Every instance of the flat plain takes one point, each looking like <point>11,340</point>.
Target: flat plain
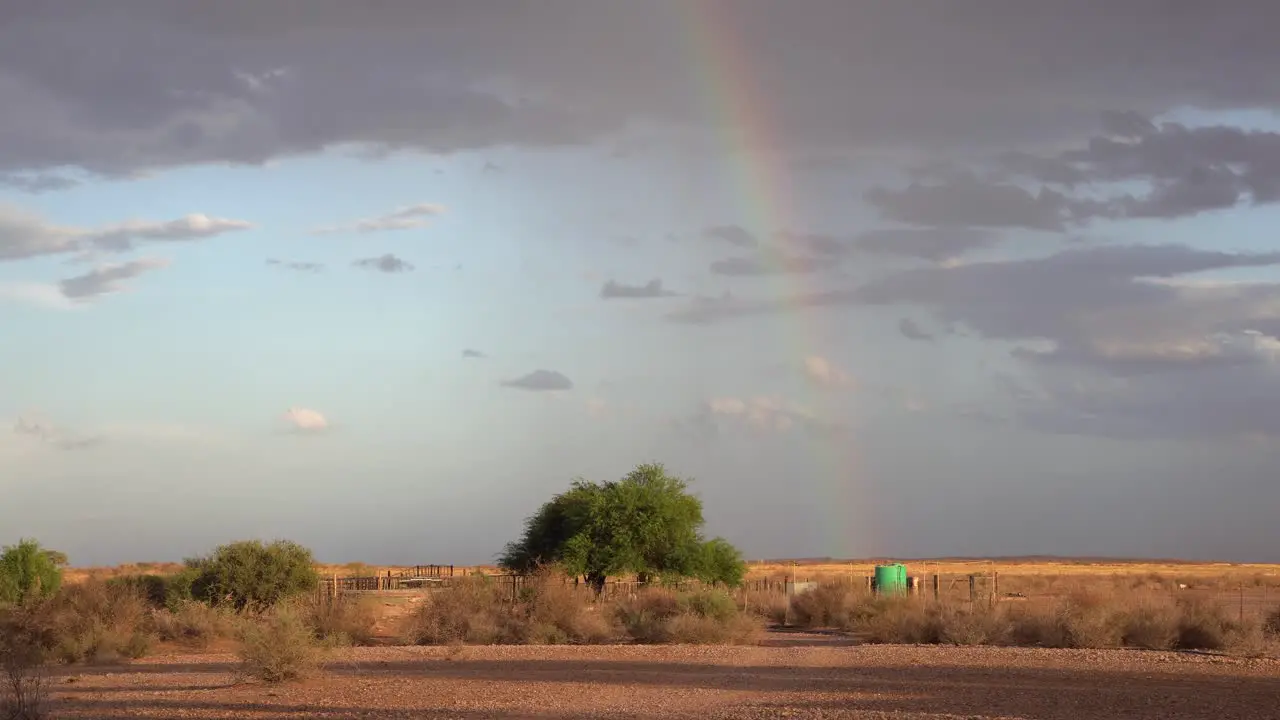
<point>788,675</point>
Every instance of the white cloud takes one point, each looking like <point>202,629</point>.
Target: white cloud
<point>24,234</point>
<point>122,236</point>
<point>306,420</point>
<point>404,218</point>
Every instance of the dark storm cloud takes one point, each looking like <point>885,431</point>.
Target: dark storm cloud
<point>925,243</point>
<point>972,202</point>
<point>1084,300</point>
<point>145,84</point>
<point>36,183</point>
<point>540,380</point>
<point>1119,309</point>
<point>652,289</point>
<point>1187,170</point>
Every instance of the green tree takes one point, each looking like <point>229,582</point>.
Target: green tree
<point>252,574</point>
<point>647,523</point>
<point>722,563</point>
<point>28,571</point>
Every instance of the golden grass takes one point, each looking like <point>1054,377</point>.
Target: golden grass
<point>1032,576</point>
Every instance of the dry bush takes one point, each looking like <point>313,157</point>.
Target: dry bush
<point>476,611</point>
<point>1150,624</point>
<point>897,620</point>
<point>27,633</point>
<point>470,610</point>
<point>1271,623</point>
<point>341,620</point>
<point>1083,619</point>
<point>1207,625</point>
<point>97,622</point>
<point>828,605</point>
<point>192,624</point>
<point>657,615</point>
<point>278,646</point>
<point>974,624</point>
<point>768,606</point>
<point>553,612</point>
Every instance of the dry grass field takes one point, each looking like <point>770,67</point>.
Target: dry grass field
<point>1082,569</point>
<point>1061,639</point>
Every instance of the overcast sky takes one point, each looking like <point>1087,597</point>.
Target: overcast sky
<point>899,279</point>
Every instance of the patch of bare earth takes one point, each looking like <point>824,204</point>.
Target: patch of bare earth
<point>787,677</point>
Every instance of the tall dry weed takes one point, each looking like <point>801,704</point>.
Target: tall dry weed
<point>97,622</point>
<point>340,620</point>
<point>193,624</point>
<point>27,635</point>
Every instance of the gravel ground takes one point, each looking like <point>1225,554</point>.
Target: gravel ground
<point>788,677</point>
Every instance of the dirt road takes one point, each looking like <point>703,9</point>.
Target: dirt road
<point>790,678</point>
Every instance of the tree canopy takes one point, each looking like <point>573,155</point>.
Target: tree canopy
<point>251,574</point>
<point>28,571</point>
<point>647,523</point>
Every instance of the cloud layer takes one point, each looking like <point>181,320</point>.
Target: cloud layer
<point>414,78</point>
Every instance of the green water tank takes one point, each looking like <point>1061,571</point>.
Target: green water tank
<point>891,579</point>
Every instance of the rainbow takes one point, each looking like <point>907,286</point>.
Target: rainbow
<point>757,167</point>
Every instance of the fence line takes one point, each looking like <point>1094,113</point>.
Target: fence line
<point>1242,600</point>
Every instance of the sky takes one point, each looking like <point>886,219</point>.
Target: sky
<point>901,280</point>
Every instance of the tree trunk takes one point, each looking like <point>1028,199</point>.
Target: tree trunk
<point>596,581</point>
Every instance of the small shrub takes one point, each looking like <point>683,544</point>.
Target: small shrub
<point>152,588</point>
<point>1271,622</point>
<point>828,605</point>
<point>26,636</point>
<point>1150,624</point>
<point>1206,625</point>
<point>553,612</point>
<point>97,622</point>
<point>192,624</point>
<point>664,616</point>
<point>1084,620</point>
<point>278,646</point>
<point>975,624</point>
<point>178,587</point>
<point>896,620</point>
<point>768,606</point>
<point>341,620</point>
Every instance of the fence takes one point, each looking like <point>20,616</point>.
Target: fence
<point>1242,599</point>
<point>417,577</point>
